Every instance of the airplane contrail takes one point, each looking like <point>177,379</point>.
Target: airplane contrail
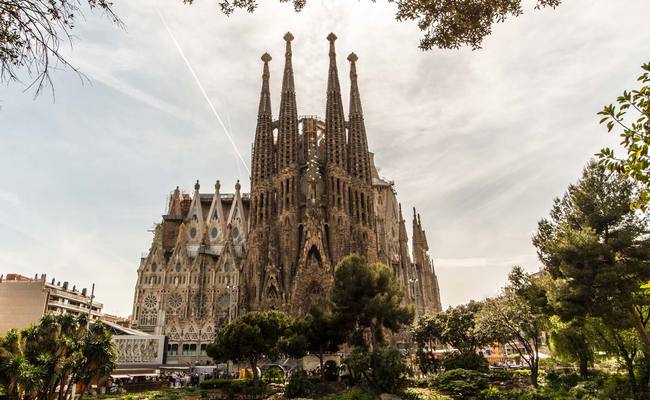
<point>205,95</point>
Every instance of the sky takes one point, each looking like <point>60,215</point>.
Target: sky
<point>479,141</point>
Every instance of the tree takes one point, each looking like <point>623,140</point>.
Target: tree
<point>31,33</point>
<point>316,333</point>
<point>632,118</point>
<point>250,337</point>
<point>58,352</point>
<point>455,328</point>
<point>427,333</point>
<point>518,317</point>
<point>569,342</point>
<point>448,24</point>
<point>367,300</point>
<point>597,251</point>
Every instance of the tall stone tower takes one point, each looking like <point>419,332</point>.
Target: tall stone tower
<point>316,196</point>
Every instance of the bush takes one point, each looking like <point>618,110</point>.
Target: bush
<point>457,360</point>
<point>460,383</point>
<point>234,387</point>
<point>224,383</point>
<point>352,394</point>
<point>301,385</point>
<point>383,369</point>
<point>616,387</point>
<point>491,393</point>
<point>331,371</point>
<point>422,394</point>
<point>273,375</point>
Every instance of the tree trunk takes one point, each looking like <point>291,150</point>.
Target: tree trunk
<point>322,369</point>
<point>534,373</point>
<point>256,376</point>
<point>643,334</point>
<point>583,363</point>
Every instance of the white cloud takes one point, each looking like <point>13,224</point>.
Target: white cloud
<point>480,141</point>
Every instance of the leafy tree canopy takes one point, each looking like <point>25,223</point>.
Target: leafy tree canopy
<point>596,249</point>
<point>250,337</point>
<point>631,118</point>
<point>447,24</point>
<point>517,317</point>
<point>367,300</point>
<point>56,353</point>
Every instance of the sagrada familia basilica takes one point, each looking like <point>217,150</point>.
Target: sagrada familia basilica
<point>316,197</point>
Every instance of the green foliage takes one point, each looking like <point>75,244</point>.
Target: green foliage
<point>318,333</point>
<point>422,394</point>
<point>491,393</point>
<point>456,328</point>
<point>222,383</point>
<point>273,375</point>
<point>367,301</point>
<point>518,317</point>
<point>616,387</point>
<point>596,250</point>
<point>460,383</point>
<point>631,117</point>
<point>447,24</point>
<point>250,337</point>
<point>352,394</point>
<point>58,351</point>
<point>383,369</point>
<point>301,385</point>
<point>456,360</point>
<point>234,388</point>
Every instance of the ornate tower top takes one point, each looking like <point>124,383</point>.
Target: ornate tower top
<point>334,118</point>
<point>287,146</point>
<point>263,149</point>
<point>197,186</point>
<point>358,156</point>
<point>217,186</point>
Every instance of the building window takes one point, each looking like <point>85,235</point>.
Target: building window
<point>172,349</point>
<point>204,349</point>
<point>189,349</point>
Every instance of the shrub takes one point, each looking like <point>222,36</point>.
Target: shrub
<point>616,387</point>
<point>422,394</point>
<point>383,368</point>
<point>301,385</point>
<point>460,383</point>
<point>234,387</point>
<point>224,383</point>
<point>352,394</point>
<point>331,371</point>
<point>457,360</point>
<point>491,393</point>
<point>273,375</point>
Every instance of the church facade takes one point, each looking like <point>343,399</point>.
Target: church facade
<point>316,196</point>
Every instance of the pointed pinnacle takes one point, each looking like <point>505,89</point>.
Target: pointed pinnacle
<point>288,36</point>
<point>331,37</point>
<point>266,57</point>
<point>217,185</point>
<point>353,58</point>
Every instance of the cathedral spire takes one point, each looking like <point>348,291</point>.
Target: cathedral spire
<point>288,120</point>
<point>334,118</point>
<point>263,148</point>
<point>358,157</point>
